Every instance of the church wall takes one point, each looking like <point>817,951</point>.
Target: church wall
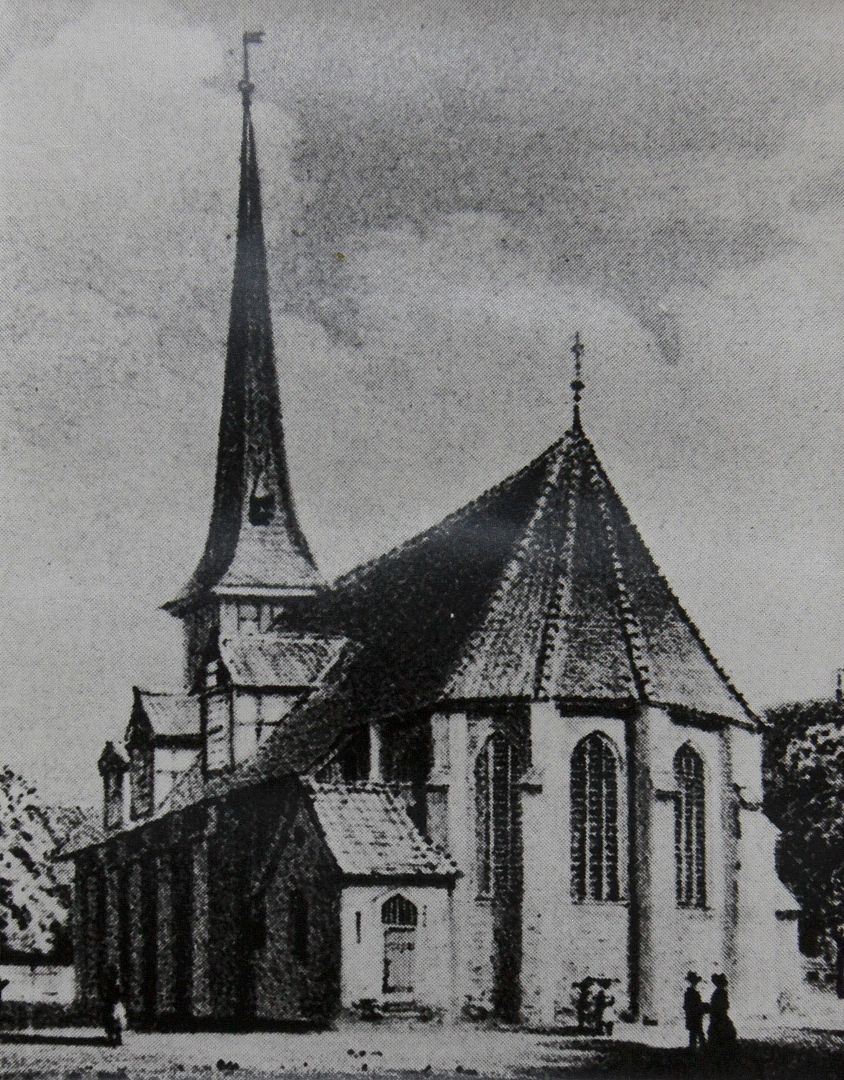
<point>164,984</point>
<point>363,944</point>
<point>200,991</point>
<point>230,869</point>
<point>562,940</point>
<point>671,939</point>
<point>295,982</point>
<point>473,941</point>
<point>487,938</point>
<point>87,934</point>
<point>765,938</point>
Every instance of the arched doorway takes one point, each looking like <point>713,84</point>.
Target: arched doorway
<point>399,918</point>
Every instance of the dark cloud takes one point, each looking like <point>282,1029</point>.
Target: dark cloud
<point>595,160</point>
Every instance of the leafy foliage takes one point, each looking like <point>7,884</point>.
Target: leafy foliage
<point>35,892</point>
<point>804,796</point>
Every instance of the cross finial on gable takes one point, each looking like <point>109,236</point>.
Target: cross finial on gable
<point>577,383</point>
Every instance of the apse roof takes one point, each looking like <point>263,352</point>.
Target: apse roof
<point>540,589</point>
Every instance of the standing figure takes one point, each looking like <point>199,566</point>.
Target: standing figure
<point>582,1001</point>
<point>722,1032</point>
<point>694,1011</point>
<point>602,1005</point>
<point>113,1012</point>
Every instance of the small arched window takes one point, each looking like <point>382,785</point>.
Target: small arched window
<point>495,796</point>
<point>690,829</point>
<point>399,911</point>
<point>594,820</point>
<point>299,926</point>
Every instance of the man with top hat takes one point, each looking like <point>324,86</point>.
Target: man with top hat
<point>694,1010</point>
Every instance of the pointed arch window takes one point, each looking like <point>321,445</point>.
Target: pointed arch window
<point>399,911</point>
<point>690,829</point>
<point>594,820</point>
<point>495,795</point>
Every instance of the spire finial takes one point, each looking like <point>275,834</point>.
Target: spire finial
<point>250,37</point>
<point>577,383</point>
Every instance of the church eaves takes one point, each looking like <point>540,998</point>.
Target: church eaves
<point>254,539</point>
<point>540,589</point>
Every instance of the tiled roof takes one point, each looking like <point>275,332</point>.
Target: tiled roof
<point>170,715</point>
<point>582,611</point>
<point>86,833</point>
<point>369,833</point>
<point>266,557</point>
<point>292,660</point>
<point>540,589</point>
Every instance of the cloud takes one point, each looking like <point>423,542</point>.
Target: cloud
<point>626,168</point>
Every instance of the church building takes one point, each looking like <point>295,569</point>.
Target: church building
<point>455,781</point>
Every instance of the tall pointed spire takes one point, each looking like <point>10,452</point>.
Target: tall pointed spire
<point>255,542</point>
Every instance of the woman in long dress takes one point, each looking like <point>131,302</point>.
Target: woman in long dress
<point>722,1033</point>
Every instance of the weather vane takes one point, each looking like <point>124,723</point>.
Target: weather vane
<point>250,37</point>
<point>577,383</point>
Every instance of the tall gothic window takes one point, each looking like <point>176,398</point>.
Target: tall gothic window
<point>690,829</point>
<point>594,820</point>
<point>495,794</point>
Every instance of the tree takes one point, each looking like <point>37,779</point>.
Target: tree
<point>804,796</point>
<point>34,890</point>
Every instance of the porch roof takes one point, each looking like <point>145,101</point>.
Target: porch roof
<point>370,834</point>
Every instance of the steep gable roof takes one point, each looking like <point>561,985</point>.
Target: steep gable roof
<point>163,715</point>
<point>280,660</point>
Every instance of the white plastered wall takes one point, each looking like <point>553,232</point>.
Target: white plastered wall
<point>363,961</point>
<point>674,939</point>
<point>457,740</point>
<point>255,716</point>
<point>562,940</point>
<point>767,971</point>
<point>169,764</point>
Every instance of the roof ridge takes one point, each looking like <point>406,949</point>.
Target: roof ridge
<point>555,614</point>
<point>678,606</point>
<point>422,537</point>
<point>557,455</point>
<point>636,649</point>
<point>372,786</point>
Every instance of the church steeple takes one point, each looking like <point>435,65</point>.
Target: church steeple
<point>255,545</point>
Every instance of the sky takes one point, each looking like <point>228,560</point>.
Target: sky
<point>451,190</point>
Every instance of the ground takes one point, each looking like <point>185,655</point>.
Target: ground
<point>403,1050</point>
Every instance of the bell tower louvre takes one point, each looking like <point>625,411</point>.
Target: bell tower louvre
<point>256,561</point>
